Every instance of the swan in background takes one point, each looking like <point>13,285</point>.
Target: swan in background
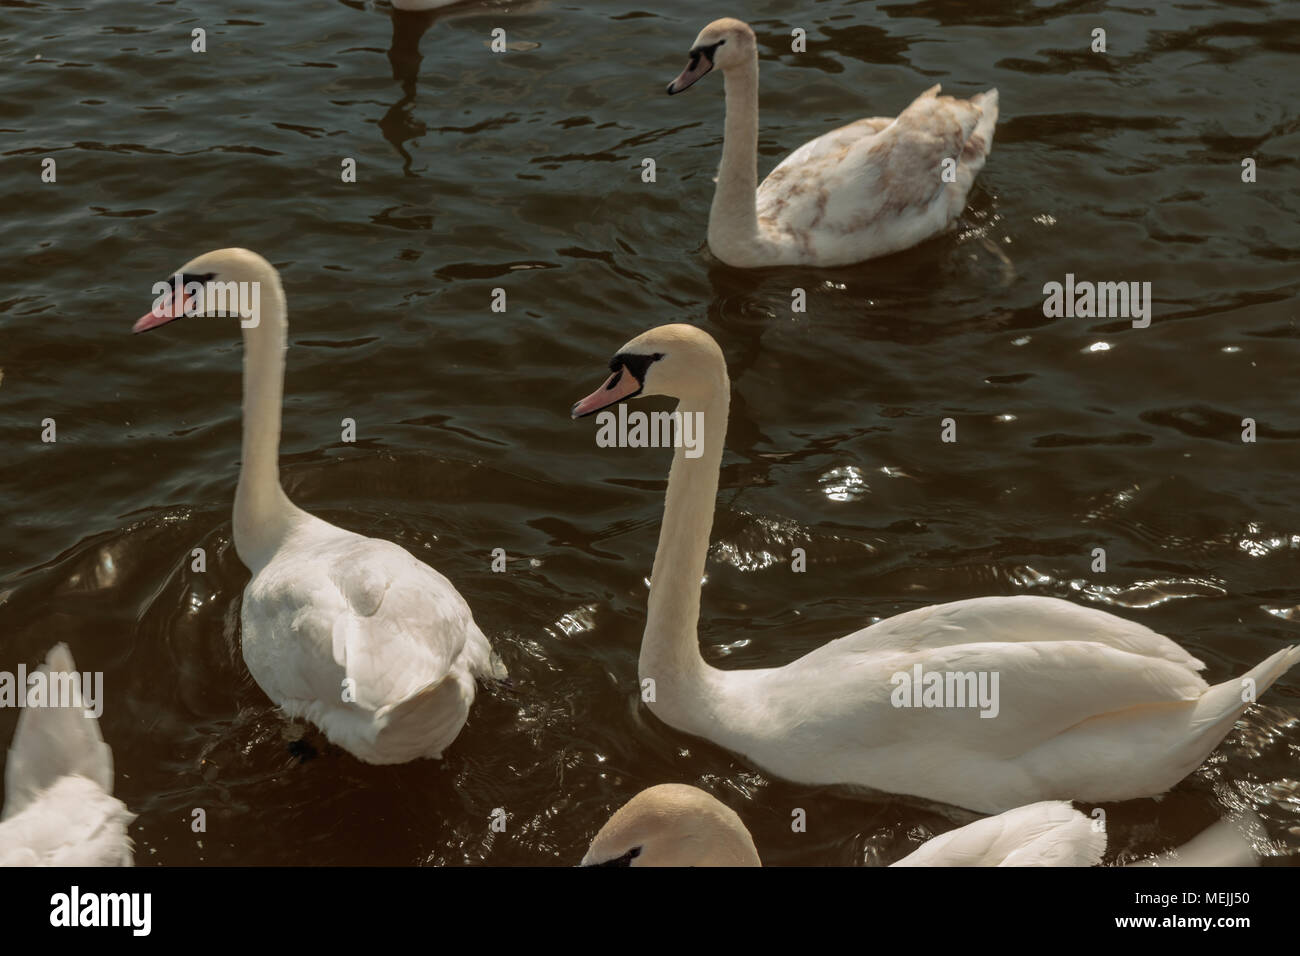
<point>864,190</point>
<point>1090,706</point>
<point>673,824</point>
<point>59,804</point>
<point>352,633</point>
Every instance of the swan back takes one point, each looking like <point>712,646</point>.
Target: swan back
<point>1051,833</point>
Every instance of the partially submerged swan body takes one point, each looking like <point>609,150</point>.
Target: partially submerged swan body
<point>678,825</point>
<point>1087,706</point>
<point>1050,833</point>
<point>868,189</point>
<point>59,806</point>
<point>352,633</point>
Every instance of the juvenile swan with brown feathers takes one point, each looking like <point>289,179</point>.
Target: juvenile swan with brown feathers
<point>864,190</point>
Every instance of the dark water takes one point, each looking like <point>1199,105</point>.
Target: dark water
<point>522,171</point>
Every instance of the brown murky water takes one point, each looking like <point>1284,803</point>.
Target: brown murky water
<point>522,171</point>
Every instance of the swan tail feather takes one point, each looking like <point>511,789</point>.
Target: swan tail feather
<point>484,662</point>
<point>1232,697</point>
<point>980,143</point>
<point>1219,707</point>
<point>424,724</point>
<point>55,742</point>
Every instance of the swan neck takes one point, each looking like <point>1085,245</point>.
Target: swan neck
<point>261,507</point>
<point>734,214</point>
<point>670,650</point>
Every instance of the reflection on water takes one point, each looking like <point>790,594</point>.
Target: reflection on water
<point>521,171</point>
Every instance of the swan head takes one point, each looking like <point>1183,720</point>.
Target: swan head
<point>673,825</point>
<point>678,361</point>
<point>722,44</point>
<point>210,272</point>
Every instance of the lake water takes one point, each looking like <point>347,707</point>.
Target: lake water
<point>522,170</point>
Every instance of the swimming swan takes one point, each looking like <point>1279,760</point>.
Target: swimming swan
<point>352,633</point>
<point>1090,706</point>
<point>864,190</point>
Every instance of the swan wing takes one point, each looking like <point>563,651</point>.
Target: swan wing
<point>827,148</point>
<point>363,616</point>
<point>999,700</point>
<point>863,176</point>
<point>1015,619</point>
<point>1051,833</point>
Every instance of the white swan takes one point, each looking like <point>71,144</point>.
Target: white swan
<point>59,804</point>
<point>674,824</point>
<point>863,190</point>
<point>352,633</point>
<point>1050,833</point>
<point>1091,706</point>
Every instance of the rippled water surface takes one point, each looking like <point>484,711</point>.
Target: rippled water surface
<point>522,171</point>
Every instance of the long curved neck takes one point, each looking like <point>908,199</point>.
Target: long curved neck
<point>734,215</point>
<point>262,510</point>
<point>670,650</point>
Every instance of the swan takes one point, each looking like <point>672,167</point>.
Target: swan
<point>352,633</point>
<point>868,189</point>
<point>673,824</point>
<point>59,804</point>
<point>1089,706</point>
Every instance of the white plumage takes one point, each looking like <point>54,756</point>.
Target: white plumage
<point>59,805</point>
<point>352,633</point>
<point>674,824</point>
<point>1051,833</point>
<point>867,189</point>
<point>332,611</point>
<point>1089,706</point>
